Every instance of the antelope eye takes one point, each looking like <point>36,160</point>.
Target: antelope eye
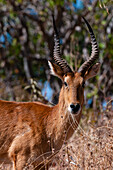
<point>83,84</point>
<point>65,84</point>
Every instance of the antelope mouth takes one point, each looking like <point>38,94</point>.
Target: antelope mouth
<point>74,108</point>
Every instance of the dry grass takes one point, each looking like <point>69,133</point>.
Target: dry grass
<point>89,150</point>
<point>91,147</point>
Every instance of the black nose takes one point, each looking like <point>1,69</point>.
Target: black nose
<point>75,108</point>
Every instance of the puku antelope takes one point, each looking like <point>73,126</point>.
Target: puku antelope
<point>29,130</point>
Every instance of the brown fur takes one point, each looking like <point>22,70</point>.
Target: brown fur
<point>31,129</point>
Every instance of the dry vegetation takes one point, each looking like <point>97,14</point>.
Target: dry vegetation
<point>91,147</point>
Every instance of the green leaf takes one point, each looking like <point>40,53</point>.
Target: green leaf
<point>102,45</point>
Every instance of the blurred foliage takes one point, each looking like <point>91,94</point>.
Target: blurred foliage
<point>26,41</point>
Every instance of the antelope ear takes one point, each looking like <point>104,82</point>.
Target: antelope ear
<point>92,71</point>
<point>56,70</point>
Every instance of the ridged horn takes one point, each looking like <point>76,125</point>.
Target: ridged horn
<point>56,52</point>
<point>94,54</point>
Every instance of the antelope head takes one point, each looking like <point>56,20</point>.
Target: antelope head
<point>72,92</point>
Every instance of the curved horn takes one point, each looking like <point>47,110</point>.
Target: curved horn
<point>94,54</point>
<point>56,53</point>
